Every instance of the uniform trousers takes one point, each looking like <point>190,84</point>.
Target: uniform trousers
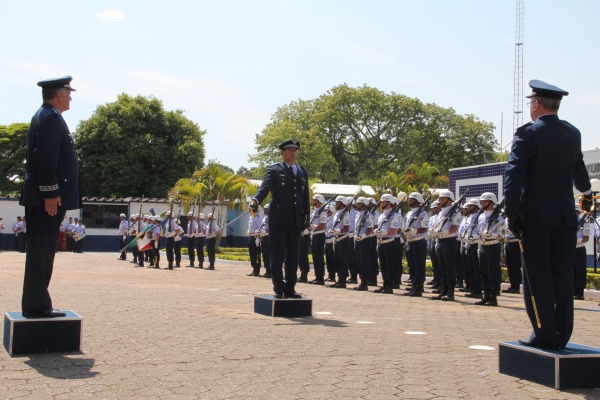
<point>362,254</point>
<point>211,248</point>
<point>318,253</point>
<point>416,253</point>
<point>169,250</point>
<point>284,244</point>
<point>122,243</point>
<point>353,260</point>
<point>580,271</point>
<point>330,260</point>
<point>303,254</point>
<point>548,255</point>
<point>435,265</point>
<point>191,246</point>
<point>373,260</point>
<point>445,250</point>
<point>177,251</point>
<point>388,258</point>
<point>399,258</point>
<point>343,250</point>
<point>458,262</point>
<point>467,277</point>
<point>254,251</point>
<point>264,248</point>
<point>134,249</point>
<point>489,266</point>
<point>155,253</point>
<point>473,267</point>
<point>200,250</point>
<point>513,263</point>
<point>42,231</point>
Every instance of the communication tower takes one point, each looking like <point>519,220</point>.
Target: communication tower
<point>518,79</point>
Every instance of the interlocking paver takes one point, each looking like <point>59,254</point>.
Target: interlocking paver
<point>189,333</point>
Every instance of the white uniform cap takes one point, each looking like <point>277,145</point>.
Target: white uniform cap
<point>190,214</point>
<point>362,200</point>
<point>389,198</point>
<point>122,215</point>
<point>447,193</point>
<point>350,200</point>
<point>342,199</point>
<point>373,201</point>
<point>489,196</point>
<point>435,204</point>
<point>332,208</point>
<point>319,197</point>
<point>202,216</point>
<point>475,202</point>
<point>266,206</point>
<point>209,216</point>
<point>401,196</point>
<point>417,196</point>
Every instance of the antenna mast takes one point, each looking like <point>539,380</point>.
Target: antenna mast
<point>518,79</point>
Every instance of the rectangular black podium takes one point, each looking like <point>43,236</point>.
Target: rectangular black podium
<point>575,367</point>
<point>268,305</point>
<point>42,335</point>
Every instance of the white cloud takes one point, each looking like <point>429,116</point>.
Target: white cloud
<point>111,15</point>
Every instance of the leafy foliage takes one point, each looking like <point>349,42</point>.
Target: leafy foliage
<point>133,147</point>
<point>13,152</point>
<point>350,134</point>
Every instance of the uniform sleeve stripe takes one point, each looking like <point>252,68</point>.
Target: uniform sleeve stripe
<point>48,188</point>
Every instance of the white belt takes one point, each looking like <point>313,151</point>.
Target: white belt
<point>579,245</point>
<point>445,235</point>
<point>384,241</point>
<point>473,241</point>
<point>318,232</point>
<point>340,238</point>
<point>489,242</point>
<point>410,240</point>
<point>512,240</point>
<point>329,240</point>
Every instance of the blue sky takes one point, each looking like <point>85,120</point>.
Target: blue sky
<point>230,64</point>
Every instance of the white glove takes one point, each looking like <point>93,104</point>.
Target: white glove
<point>305,232</point>
<point>212,235</point>
<point>412,232</point>
<point>489,236</point>
<point>381,233</point>
<point>257,241</point>
<point>335,231</point>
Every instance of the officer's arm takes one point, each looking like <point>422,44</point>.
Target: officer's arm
<point>266,185</point>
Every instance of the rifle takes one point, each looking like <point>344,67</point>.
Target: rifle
<point>391,214</point>
<point>453,209</point>
<point>473,224</point>
<point>583,220</point>
<point>169,221</point>
<point>415,215</point>
<point>346,209</point>
<point>492,220</point>
<point>318,213</point>
<point>213,234</point>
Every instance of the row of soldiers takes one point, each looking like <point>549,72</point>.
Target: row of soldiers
<point>352,240</point>
<point>143,235</point>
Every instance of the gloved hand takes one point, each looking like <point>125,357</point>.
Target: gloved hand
<point>586,203</point>
<point>253,206</point>
<point>381,233</point>
<point>515,224</point>
<point>305,232</point>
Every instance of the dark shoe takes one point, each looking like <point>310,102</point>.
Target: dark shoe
<point>483,301</point>
<point>318,282</point>
<point>533,343</point>
<point>387,291</point>
<point>396,286</point>
<point>492,302</point>
<point>340,285</point>
<point>302,280</point>
<point>379,290</point>
<point>352,281</point>
<point>459,286</point>
<point>436,291</point>
<point>292,295</point>
<point>278,296</point>
<point>266,276</point>
<point>578,297</point>
<point>415,294</point>
<point>330,279</point>
<point>448,297</point>
<point>516,291</point>
<point>361,288</point>
<point>438,297</point>
<point>252,274</point>
<point>210,268</point>
<point>474,295</point>
<point>190,266</point>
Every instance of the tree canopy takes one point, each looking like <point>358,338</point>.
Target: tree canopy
<point>133,147</point>
<point>350,134</point>
<point>13,152</point>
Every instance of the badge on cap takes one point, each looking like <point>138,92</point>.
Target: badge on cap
<point>293,143</point>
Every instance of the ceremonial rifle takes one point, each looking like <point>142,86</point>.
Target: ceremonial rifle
<point>413,217</point>
<point>320,210</point>
<point>448,215</point>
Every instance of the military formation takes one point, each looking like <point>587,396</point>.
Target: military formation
<point>142,234</point>
<point>355,241</point>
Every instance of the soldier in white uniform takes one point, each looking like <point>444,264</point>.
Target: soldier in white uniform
<point>417,223</point>
<point>122,233</point>
<point>584,232</point>
<point>342,245</point>
<point>362,232</point>
<point>318,224</point>
<point>387,231</point>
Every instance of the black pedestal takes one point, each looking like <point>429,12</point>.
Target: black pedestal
<point>291,308</point>
<point>42,335</point>
<point>575,367</point>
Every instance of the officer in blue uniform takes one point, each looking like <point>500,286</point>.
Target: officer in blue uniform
<point>51,187</point>
<point>288,216</point>
<point>544,164</point>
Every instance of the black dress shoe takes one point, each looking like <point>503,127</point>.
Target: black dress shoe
<point>361,288</point>
<point>278,296</point>
<point>353,281</point>
<point>318,282</point>
<point>302,280</point>
<point>340,286</point>
<point>252,274</point>
<point>387,291</point>
<point>395,286</point>
<point>533,343</point>
<point>293,295</point>
<point>448,298</point>
<point>578,298</point>
<point>415,294</point>
<point>266,276</point>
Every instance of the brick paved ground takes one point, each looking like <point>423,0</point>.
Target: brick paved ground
<point>187,334</point>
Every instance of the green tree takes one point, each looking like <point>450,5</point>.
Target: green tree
<point>13,152</point>
<point>363,133</point>
<point>133,147</point>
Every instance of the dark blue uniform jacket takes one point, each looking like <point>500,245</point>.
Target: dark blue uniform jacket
<point>289,205</point>
<point>51,168</point>
<point>544,164</point>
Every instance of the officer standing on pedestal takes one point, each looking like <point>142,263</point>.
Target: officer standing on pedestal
<point>288,216</point>
<point>544,164</point>
<point>50,188</point>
